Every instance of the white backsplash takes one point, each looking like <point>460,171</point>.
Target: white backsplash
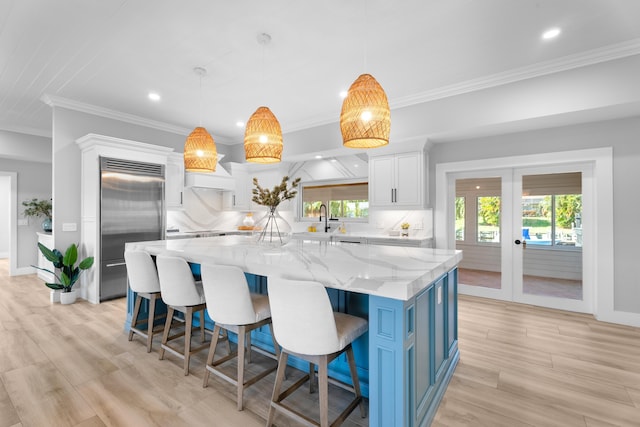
<point>203,207</point>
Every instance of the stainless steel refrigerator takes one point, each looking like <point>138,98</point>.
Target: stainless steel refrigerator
<point>131,210</point>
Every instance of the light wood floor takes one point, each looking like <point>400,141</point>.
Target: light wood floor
<point>520,366</point>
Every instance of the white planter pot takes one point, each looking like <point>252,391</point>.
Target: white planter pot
<point>54,296</point>
<point>68,297</point>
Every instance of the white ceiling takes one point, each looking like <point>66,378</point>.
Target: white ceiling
<point>110,54</point>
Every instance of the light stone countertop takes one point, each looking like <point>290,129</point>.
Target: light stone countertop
<point>388,271</point>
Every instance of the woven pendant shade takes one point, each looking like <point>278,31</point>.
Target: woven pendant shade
<point>263,137</point>
<point>365,120</point>
<point>200,154</point>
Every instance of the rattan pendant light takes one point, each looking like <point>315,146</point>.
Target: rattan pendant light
<point>263,135</point>
<point>200,153</point>
<point>365,119</point>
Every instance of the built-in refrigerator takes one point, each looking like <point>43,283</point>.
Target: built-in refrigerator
<point>131,210</point>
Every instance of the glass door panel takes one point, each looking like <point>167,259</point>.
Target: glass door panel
<point>551,239</point>
<point>478,231</point>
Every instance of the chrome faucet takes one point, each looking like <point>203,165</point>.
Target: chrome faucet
<point>326,226</point>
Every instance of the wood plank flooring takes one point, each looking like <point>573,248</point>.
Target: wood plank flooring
<point>520,366</point>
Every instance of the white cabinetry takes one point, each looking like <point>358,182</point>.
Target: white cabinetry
<point>240,197</point>
<point>174,181</point>
<point>47,240</point>
<point>397,180</point>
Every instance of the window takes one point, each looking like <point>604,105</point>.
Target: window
<point>552,220</point>
<point>344,200</point>
<point>488,219</point>
<point>460,218</point>
<point>552,209</point>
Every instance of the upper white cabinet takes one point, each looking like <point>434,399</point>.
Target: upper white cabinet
<point>174,181</point>
<point>240,197</point>
<point>397,180</point>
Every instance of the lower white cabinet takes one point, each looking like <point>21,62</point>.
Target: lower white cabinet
<point>47,240</point>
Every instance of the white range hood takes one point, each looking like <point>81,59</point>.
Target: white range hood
<point>218,180</point>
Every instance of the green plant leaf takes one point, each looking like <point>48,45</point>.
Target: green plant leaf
<point>86,263</point>
<point>66,280</point>
<point>48,253</point>
<point>71,255</point>
<point>54,286</point>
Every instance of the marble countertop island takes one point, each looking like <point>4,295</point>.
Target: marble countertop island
<point>386,271</point>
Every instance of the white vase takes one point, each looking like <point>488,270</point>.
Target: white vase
<point>68,297</point>
<point>54,296</point>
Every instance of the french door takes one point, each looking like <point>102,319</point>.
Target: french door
<point>521,232</point>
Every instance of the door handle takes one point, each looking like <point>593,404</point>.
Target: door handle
<point>523,242</point>
<point>517,242</point>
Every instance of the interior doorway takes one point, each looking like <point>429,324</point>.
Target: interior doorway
<point>8,218</point>
<point>546,252</point>
<point>596,170</point>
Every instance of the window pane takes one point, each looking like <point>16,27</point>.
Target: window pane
<point>460,218</point>
<point>536,219</point>
<point>489,219</point>
<point>347,200</point>
<point>568,218</point>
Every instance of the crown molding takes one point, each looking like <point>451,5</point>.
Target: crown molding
<point>25,130</point>
<point>57,101</point>
<point>582,59</point>
<point>590,57</point>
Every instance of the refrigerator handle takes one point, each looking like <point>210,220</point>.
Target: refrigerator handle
<point>115,264</point>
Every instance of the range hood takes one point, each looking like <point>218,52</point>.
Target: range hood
<point>218,180</point>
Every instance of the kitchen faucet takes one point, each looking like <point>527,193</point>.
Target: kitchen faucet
<point>326,226</point>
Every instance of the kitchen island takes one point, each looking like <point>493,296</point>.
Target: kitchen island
<point>409,296</point>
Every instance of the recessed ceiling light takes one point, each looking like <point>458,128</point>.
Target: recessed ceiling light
<point>355,166</point>
<point>343,94</point>
<point>154,96</point>
<point>551,33</point>
<point>318,156</point>
<point>239,124</point>
<point>333,160</point>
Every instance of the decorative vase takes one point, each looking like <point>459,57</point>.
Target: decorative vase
<point>47,225</point>
<point>248,220</point>
<point>68,297</point>
<point>272,230</point>
<point>405,232</point>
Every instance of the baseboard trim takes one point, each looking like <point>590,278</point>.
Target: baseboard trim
<point>25,270</point>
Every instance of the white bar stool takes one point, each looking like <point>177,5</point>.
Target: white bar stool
<point>306,326</point>
<point>181,293</point>
<point>143,280</point>
<point>233,308</point>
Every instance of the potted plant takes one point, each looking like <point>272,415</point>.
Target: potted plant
<point>39,208</point>
<point>405,229</point>
<point>69,272</point>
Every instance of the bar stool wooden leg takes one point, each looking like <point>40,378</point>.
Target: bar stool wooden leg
<point>150,320</point>
<point>354,378</point>
<point>167,328</point>
<point>136,312</point>
<point>242,337</point>
<point>212,352</point>
<point>275,398</point>
<point>323,388</point>
<point>188,323</point>
<point>247,337</point>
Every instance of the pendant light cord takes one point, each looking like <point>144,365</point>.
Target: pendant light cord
<point>364,34</point>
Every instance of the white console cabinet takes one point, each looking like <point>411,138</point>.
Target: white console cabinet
<point>397,180</point>
<point>47,240</point>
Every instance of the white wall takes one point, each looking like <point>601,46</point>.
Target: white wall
<point>622,135</point>
<point>5,205</point>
